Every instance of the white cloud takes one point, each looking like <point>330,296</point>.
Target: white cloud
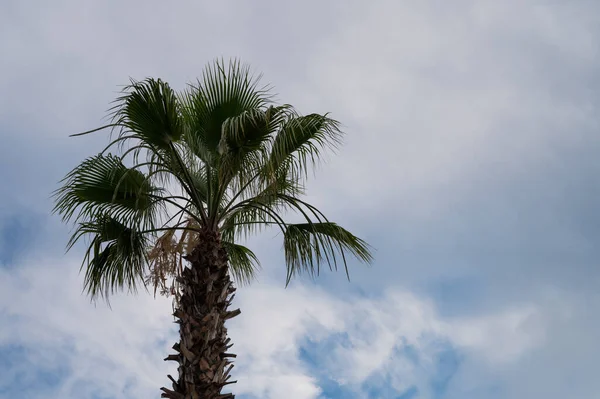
<point>442,101</point>
<point>500,338</point>
<point>116,352</point>
<point>439,98</point>
<point>382,330</point>
<point>119,352</point>
<point>432,95</point>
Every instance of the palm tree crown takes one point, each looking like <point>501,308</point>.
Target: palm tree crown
<point>207,166</point>
<point>218,156</point>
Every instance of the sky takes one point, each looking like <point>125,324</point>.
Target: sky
<point>470,164</point>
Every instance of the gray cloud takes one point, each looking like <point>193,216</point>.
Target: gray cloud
<point>471,158</point>
<point>92,351</point>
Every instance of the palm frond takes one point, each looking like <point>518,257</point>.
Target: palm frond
<point>300,141</point>
<point>243,263</point>
<point>165,262</point>
<point>249,219</point>
<point>307,246</point>
<point>264,209</point>
<point>103,184</point>
<point>238,164</point>
<point>151,111</point>
<point>115,258</point>
<point>244,132</point>
<point>166,257</point>
<point>222,93</point>
<point>245,146</point>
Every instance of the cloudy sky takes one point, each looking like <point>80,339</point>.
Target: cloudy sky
<point>471,165</point>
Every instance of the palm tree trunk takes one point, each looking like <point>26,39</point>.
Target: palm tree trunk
<point>206,293</point>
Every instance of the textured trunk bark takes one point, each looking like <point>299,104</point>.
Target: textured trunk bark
<point>206,293</point>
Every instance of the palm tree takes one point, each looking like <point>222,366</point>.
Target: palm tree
<point>208,166</point>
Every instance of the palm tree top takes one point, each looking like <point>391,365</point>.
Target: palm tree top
<point>219,156</point>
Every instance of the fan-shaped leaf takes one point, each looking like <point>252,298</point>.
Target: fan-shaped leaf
<point>309,245</point>
<point>223,93</point>
<point>151,110</point>
<point>115,258</point>
<point>103,184</point>
<point>300,140</point>
<point>243,262</point>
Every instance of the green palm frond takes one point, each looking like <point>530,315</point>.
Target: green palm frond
<point>243,148</point>
<point>103,184</point>
<point>250,219</point>
<point>300,141</point>
<point>244,132</point>
<point>218,156</point>
<point>309,245</point>
<point>151,111</point>
<point>246,145</point>
<point>115,258</point>
<point>264,209</point>
<point>200,183</point>
<point>222,93</point>
<point>243,262</point>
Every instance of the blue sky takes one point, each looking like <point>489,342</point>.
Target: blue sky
<point>470,164</point>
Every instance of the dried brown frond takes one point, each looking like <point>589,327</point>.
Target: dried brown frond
<point>189,238</point>
<point>165,260</point>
